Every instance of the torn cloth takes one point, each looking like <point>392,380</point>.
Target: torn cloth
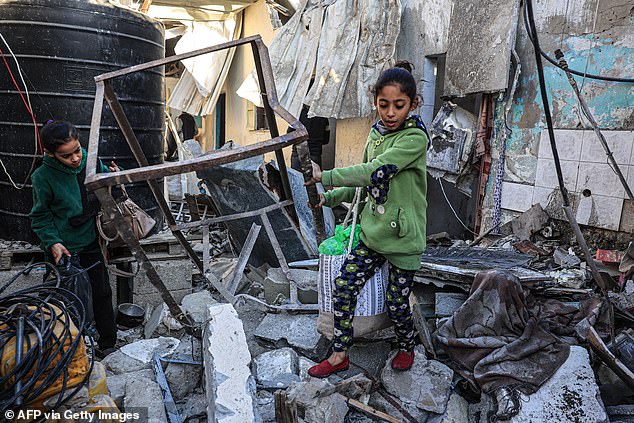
<point>495,340</point>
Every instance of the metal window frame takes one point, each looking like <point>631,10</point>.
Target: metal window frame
<point>102,183</point>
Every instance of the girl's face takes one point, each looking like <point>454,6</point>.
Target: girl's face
<point>393,106</point>
<point>69,154</point>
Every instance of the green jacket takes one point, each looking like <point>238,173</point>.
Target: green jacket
<point>56,199</point>
<point>399,232</point>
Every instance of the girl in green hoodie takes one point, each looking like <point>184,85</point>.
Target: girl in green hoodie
<point>393,220</point>
<point>63,217</point>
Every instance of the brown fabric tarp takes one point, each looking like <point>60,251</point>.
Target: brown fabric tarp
<point>501,338</point>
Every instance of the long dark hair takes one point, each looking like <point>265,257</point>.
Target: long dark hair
<point>401,75</point>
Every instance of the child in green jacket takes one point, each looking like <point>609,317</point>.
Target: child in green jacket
<point>63,217</point>
<point>393,221</point>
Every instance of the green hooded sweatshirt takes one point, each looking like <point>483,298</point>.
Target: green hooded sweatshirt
<point>56,199</point>
<point>393,225</point>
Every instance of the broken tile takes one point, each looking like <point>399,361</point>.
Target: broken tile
<point>619,142</point>
<point>599,179</point>
<point>517,197</point>
<point>569,144</point>
<point>298,331</point>
<point>571,395</point>
<point>427,384</point>
<point>546,175</point>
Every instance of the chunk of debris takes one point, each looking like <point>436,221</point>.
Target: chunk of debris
<point>457,411</point>
<point>570,395</point>
<point>276,285</point>
<point>298,331</point>
<point>229,385</point>
<point>276,368</point>
<point>448,302</point>
<point>162,323</point>
<point>144,349</point>
<point>369,355</point>
<point>120,363</point>
<point>196,304</point>
<point>147,396</point>
<point>313,408</point>
<point>526,224</point>
<point>566,258</point>
<point>117,383</point>
<point>265,402</point>
<point>527,247</point>
<point>427,384</point>
<point>195,407</point>
<point>303,365</point>
<point>184,378</point>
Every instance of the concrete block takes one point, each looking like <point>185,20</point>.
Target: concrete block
<point>276,284</point>
<point>116,384</point>
<point>154,299</point>
<point>175,274</point>
<point>571,395</point>
<point>331,408</point>
<point>276,368</point>
<point>427,385</point>
<point>183,379</point>
<point>298,331</point>
<point>380,403</point>
<point>230,387</point>
<point>371,356</point>
<point>144,349</point>
<point>146,395</point>
<point>517,197</point>
<point>448,302</point>
<point>265,403</point>
<point>457,411</point>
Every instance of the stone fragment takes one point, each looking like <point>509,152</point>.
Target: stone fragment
<point>144,349</point>
<point>370,355</point>
<point>276,285</point>
<point>303,365</point>
<point>145,394</point>
<point>448,302</point>
<point>265,403</point>
<point>120,363</point>
<point>299,331</point>
<point>571,395</point>
<point>196,304</point>
<point>161,323</point>
<point>526,224</point>
<point>229,385</point>
<point>184,378</point>
<point>276,368</point>
<point>196,406</point>
<point>427,384</point>
<point>457,411</point>
<point>116,384</point>
<point>315,409</point>
<point>175,274</point>
<point>378,402</point>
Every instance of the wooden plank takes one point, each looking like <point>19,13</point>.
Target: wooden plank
<point>366,409</point>
<point>421,326</point>
<point>245,253</point>
<point>285,410</point>
<point>610,360</point>
<point>146,6</point>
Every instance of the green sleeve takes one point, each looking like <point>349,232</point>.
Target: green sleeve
<point>42,221</point>
<point>102,168</point>
<point>403,154</point>
<point>334,197</point>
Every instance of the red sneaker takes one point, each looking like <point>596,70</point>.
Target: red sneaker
<point>325,369</point>
<point>403,360</point>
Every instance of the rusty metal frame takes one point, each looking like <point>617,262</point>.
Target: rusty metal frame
<point>102,183</point>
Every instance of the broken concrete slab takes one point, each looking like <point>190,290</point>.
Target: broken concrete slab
<point>183,378</point>
<point>276,285</point>
<point>315,409</point>
<point>161,323</point>
<point>303,365</point>
<point>571,395</point>
<point>195,305</point>
<point>230,387</point>
<point>116,384</point>
<point>147,396</point>
<point>427,384</point>
<point>299,331</point>
<point>195,407</point>
<point>457,411</point>
<point>144,349</point>
<point>526,224</point>
<point>276,368</point>
<point>120,363</point>
<point>265,403</point>
<point>448,302</point>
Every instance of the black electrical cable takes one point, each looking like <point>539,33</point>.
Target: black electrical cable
<point>532,35</point>
<point>49,312</point>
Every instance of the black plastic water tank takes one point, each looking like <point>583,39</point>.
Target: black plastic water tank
<point>61,46</point>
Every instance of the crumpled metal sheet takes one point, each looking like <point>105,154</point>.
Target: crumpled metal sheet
<point>358,42</point>
<point>348,42</point>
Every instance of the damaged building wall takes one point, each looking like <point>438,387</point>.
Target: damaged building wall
<point>604,43</point>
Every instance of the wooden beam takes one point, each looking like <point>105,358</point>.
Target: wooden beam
<point>146,6</point>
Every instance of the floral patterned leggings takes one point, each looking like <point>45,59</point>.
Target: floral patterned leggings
<point>359,266</point>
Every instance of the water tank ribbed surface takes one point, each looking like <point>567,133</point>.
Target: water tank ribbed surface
<point>61,46</point>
